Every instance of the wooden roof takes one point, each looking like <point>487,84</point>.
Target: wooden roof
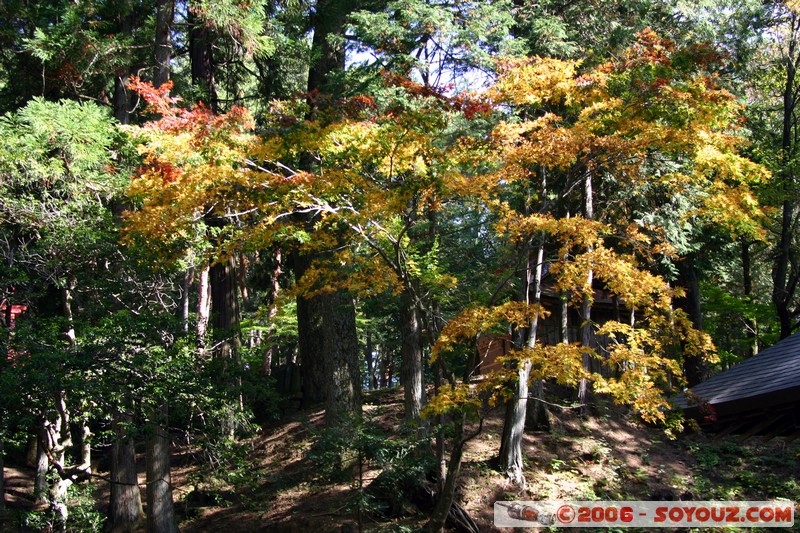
<point>760,396</point>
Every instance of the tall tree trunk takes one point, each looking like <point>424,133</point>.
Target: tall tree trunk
<point>695,367</point>
<point>586,306</point>
<point>750,323</point>
<point>225,310</point>
<point>2,476</point>
<point>311,339</point>
<point>227,342</point>
<point>165,15</point>
<point>201,58</point>
<point>42,464</point>
<point>122,101</point>
<point>446,497</point>
<point>271,353</point>
<point>203,309</point>
<point>511,458</point>
<point>342,364</point>
<point>328,21</point>
<point>82,433</point>
<point>126,502</point>
<point>411,357</point>
<point>58,442</point>
<point>183,309</point>
<point>785,270</point>
<point>160,510</point>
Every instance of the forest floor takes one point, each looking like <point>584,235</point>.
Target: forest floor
<point>281,479</point>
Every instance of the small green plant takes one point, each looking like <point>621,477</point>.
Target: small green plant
<point>346,451</point>
<point>83,516</point>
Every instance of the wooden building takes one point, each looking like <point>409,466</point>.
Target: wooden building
<point>760,396</point>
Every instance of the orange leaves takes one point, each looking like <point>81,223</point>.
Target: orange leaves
<point>543,141</point>
<point>536,82</point>
<point>474,320</point>
<point>157,98</point>
<point>194,170</point>
<point>650,49</point>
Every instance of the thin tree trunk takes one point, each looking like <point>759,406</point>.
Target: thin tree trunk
<point>586,306</point>
<point>386,368</point>
<point>203,309</point>
<point>188,278</point>
<point>511,457</point>
<point>241,272</point>
<point>751,325</point>
<point>784,276</point>
<point>271,353</point>
<point>447,495</point>
<point>565,311</point>
<point>160,510</point>
<point>370,359</point>
<point>42,464</point>
<point>82,433</point>
<point>126,502</point>
<point>2,477</point>
<point>58,442</point>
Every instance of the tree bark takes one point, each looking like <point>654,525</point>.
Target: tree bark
<point>42,464</point>
<point>446,497</point>
<point>784,270</point>
<point>695,368</point>
<point>58,442</point>
<point>188,278</point>
<point>586,306</point>
<point>751,325</point>
<point>160,510</point>
<point>2,477</point>
<point>343,394</point>
<point>122,101</point>
<point>311,340</point>
<point>411,357</point>
<point>271,353</point>
<point>225,310</point>
<point>227,342</point>
<point>83,435</point>
<point>328,20</point>
<point>511,457</point>
<point>203,309</point>
<point>326,342</point>
<point>126,502</point>
<point>201,57</point>
<point>165,14</point>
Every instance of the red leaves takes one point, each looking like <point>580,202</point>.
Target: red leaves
<point>157,98</point>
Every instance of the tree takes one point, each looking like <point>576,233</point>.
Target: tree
<point>58,180</point>
<point>611,122</point>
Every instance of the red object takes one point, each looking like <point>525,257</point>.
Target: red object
<point>16,310</point>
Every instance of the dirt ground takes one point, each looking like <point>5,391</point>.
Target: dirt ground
<point>605,455</point>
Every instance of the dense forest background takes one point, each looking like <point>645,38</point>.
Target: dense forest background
<point>213,214</point>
